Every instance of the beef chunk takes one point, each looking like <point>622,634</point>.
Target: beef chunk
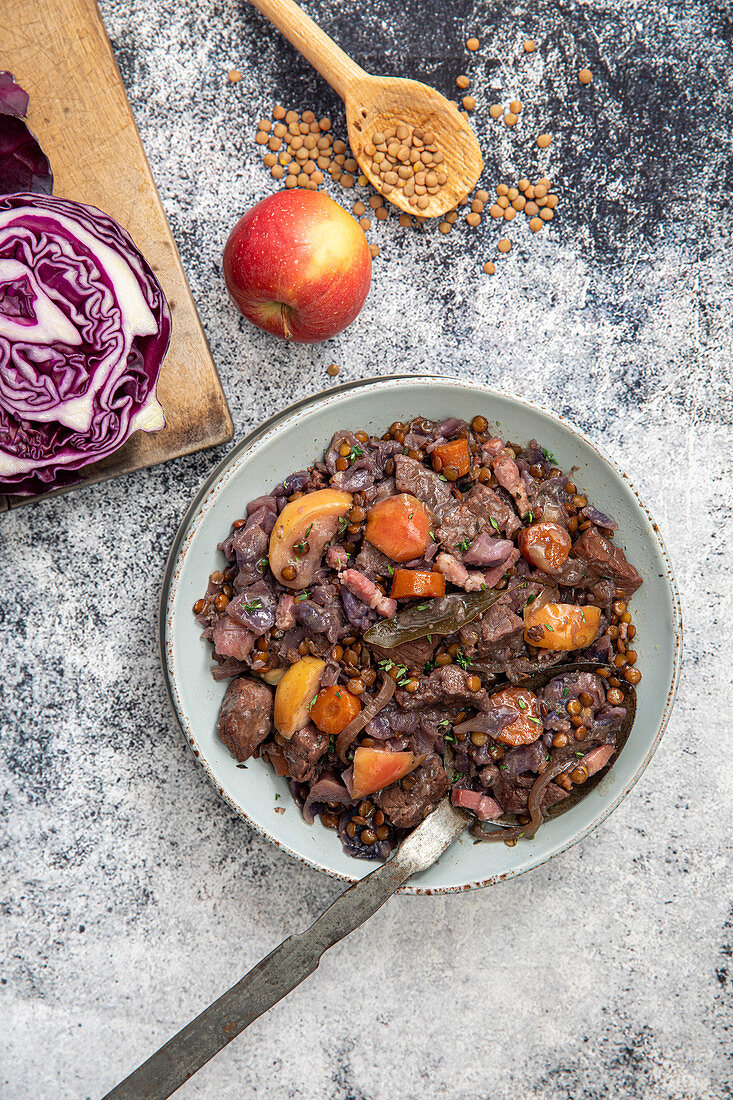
<point>303,751</point>
<point>444,685</point>
<point>407,808</point>
<point>513,795</point>
<point>413,655</point>
<point>606,560</point>
<point>246,716</point>
<point>372,562</point>
<point>488,505</point>
<point>412,477</point>
<point>459,526</point>
<point>500,626</point>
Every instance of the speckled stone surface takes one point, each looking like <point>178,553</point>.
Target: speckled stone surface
<point>131,895</point>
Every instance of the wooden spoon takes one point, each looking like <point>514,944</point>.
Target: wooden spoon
<point>375,102</point>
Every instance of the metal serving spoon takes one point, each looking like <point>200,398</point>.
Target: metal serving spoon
<point>298,956</point>
<point>377,102</point>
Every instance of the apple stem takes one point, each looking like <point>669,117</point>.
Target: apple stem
<point>284,318</point>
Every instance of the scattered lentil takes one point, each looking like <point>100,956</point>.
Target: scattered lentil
<point>472,44</point>
<point>374,250</point>
<point>510,119</point>
<point>333,369</point>
<point>496,110</point>
<point>469,102</point>
<point>515,106</point>
<point>489,268</point>
<point>585,76</point>
<point>462,81</point>
<point>529,46</point>
<point>535,225</point>
<point>504,245</point>
<point>544,140</point>
<point>235,76</point>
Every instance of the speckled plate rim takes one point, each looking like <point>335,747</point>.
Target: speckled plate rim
<point>196,512</point>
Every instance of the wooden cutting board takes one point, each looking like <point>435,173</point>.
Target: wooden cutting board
<point>59,52</point>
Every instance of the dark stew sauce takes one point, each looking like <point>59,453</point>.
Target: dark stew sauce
<point>380,616</point>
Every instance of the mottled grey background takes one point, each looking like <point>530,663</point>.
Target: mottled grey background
<point>131,894</point>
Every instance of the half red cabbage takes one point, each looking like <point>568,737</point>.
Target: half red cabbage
<point>84,328</point>
<point>23,164</point>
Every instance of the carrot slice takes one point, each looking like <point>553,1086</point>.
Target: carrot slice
<point>409,583</point>
<point>454,454</point>
<point>333,709</point>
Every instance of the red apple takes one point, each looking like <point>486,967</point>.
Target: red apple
<point>298,265</point>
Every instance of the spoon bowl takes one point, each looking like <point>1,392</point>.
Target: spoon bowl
<point>379,103</point>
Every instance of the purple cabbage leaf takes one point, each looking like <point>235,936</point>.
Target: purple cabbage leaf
<point>84,328</point>
<point>23,164</point>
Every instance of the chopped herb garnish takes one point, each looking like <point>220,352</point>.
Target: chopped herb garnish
<point>262,564</point>
<point>494,524</point>
<point>529,516</point>
<point>355,452</point>
<point>410,515</point>
<point>422,606</point>
<point>390,570</point>
<point>430,640</point>
<point>403,675</point>
<point>442,477</point>
<point>521,704</point>
<point>242,766</point>
<point>580,754</point>
<point>461,659</point>
<point>386,665</point>
<point>312,700</point>
<point>456,777</point>
<point>450,738</point>
<point>565,692</point>
<point>548,627</point>
<point>463,545</point>
<point>332,743</point>
<point>277,796</point>
<point>529,600</point>
<point>549,457</point>
<point>444,722</point>
<point>432,535</point>
<point>483,587</point>
<point>253,605</point>
<point>535,720</point>
<point>343,524</point>
<point>302,596</point>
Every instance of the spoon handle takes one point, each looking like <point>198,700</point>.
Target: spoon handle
<point>288,965</point>
<point>332,63</point>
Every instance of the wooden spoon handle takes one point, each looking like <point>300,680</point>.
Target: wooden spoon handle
<point>324,55</point>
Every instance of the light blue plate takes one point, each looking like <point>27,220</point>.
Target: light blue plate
<point>291,441</point>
